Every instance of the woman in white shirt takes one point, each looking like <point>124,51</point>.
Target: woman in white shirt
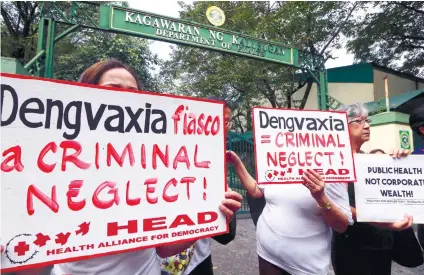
<point>295,229</point>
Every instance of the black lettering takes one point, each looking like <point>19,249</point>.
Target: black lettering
<point>76,126</point>
<point>49,107</point>
<point>120,116</point>
<point>299,125</point>
<point>338,126</point>
<point>93,122</point>
<point>161,119</point>
<point>273,122</point>
<point>290,124</point>
<point>322,124</point>
<point>15,103</point>
<point>133,120</point>
<point>25,109</point>
<point>312,124</point>
<point>265,123</point>
<point>147,118</point>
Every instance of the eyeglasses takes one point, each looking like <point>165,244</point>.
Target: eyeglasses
<point>361,121</point>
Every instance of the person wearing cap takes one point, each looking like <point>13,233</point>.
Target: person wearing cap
<point>416,122</point>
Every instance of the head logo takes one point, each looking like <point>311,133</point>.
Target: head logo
<point>215,16</point>
<point>270,175</point>
<point>20,249</point>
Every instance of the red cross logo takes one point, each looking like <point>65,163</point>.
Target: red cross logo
<point>21,248</point>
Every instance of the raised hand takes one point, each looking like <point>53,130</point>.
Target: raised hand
<point>232,158</point>
<point>230,204</point>
<point>314,182</point>
<point>399,153</point>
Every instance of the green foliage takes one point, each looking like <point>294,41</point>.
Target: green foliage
<point>78,50</point>
<point>392,36</point>
<point>312,26</point>
<point>71,59</point>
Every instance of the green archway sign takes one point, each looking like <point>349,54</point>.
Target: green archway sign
<point>92,15</point>
<point>183,32</point>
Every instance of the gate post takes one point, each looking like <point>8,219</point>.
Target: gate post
<point>48,67</point>
<point>322,91</point>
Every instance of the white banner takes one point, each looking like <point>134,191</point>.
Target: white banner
<point>91,171</point>
<point>288,142</point>
<point>388,188</point>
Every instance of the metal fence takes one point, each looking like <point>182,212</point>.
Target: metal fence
<point>244,148</point>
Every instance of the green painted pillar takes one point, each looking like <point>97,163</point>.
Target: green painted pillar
<point>322,91</point>
<point>48,65</point>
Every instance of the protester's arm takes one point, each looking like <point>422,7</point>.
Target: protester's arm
<point>232,204</point>
<point>353,210</point>
<point>230,236</point>
<point>421,234</point>
<point>246,179</point>
<point>397,226</point>
<point>334,217</point>
<point>229,206</point>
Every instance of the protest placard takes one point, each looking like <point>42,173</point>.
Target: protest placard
<point>388,188</point>
<point>92,171</point>
<point>288,142</point>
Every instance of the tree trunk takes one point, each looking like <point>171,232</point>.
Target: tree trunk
<point>307,92</point>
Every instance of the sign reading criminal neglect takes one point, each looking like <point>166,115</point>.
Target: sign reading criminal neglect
<point>289,142</point>
<point>87,171</point>
<point>184,32</point>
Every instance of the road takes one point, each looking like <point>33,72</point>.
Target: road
<point>240,258</point>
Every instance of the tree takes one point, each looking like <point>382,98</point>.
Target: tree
<point>392,36</point>
<point>312,26</point>
<point>77,50</point>
<point>18,28</point>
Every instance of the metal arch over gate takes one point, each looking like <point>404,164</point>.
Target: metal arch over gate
<point>83,14</point>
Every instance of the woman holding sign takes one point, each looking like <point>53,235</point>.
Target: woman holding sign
<point>197,259</point>
<point>364,248</point>
<point>111,73</point>
<point>295,229</point>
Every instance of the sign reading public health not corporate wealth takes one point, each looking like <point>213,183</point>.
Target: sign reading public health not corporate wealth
<point>174,30</point>
<point>388,188</point>
<point>288,142</point>
<point>88,171</point>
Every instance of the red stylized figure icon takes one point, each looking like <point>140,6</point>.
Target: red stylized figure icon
<point>21,248</point>
<point>41,239</point>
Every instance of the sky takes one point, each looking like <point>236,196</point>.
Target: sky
<point>171,8</point>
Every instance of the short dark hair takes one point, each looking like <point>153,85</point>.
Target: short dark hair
<point>376,151</point>
<point>94,73</point>
<point>416,120</point>
<point>227,104</point>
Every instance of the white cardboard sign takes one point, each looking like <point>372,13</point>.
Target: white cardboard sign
<point>288,142</point>
<point>89,171</point>
<point>388,188</point>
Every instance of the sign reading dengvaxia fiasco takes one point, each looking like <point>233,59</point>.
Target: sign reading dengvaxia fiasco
<point>289,142</point>
<point>90,171</point>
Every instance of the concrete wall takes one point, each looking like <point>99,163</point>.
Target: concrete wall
<point>386,137</point>
<point>347,93</point>
<point>396,85</point>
